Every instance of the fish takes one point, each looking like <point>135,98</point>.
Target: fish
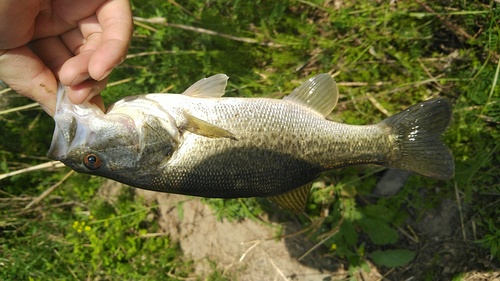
<point>200,143</point>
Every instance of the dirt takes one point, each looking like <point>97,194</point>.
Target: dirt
<point>445,247</point>
<point>245,250</point>
<point>249,249</point>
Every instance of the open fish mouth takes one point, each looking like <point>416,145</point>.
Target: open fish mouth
<point>71,127</point>
<point>64,128</point>
<point>63,135</point>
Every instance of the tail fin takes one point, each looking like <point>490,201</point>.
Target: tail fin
<point>418,131</point>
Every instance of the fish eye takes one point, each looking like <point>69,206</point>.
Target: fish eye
<point>92,161</point>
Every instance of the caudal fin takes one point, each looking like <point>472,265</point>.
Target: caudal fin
<point>419,148</point>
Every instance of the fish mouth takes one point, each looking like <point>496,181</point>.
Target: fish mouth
<point>70,125</point>
<point>62,138</point>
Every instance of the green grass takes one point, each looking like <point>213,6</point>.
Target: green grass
<point>384,58</point>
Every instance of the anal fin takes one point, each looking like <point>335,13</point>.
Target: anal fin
<point>294,200</point>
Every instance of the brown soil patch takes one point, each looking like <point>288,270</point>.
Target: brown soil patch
<point>245,250</point>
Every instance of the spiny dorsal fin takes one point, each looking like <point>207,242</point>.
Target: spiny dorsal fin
<point>319,93</point>
<point>203,128</point>
<point>213,86</point>
<point>294,200</point>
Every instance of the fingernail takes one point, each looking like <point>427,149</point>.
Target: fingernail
<point>106,73</point>
<point>80,78</point>
<point>94,92</point>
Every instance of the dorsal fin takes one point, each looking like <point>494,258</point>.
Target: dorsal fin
<point>319,93</point>
<point>294,200</point>
<point>213,86</point>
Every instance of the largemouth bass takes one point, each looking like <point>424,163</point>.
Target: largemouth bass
<point>199,143</point>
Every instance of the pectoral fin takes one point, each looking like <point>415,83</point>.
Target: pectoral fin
<point>203,128</point>
<point>294,200</point>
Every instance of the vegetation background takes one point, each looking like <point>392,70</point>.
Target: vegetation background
<point>385,56</point>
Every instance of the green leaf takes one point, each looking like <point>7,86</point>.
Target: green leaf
<point>379,232</point>
<point>378,212</point>
<point>392,258</point>
<point>348,232</point>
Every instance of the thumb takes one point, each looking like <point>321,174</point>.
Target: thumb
<point>26,74</point>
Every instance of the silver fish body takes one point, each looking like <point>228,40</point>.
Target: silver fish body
<point>201,144</point>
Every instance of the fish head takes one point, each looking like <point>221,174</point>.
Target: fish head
<point>128,144</point>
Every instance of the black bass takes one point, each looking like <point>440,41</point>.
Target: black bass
<point>199,143</point>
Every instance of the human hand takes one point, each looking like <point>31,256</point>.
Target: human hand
<point>77,42</point>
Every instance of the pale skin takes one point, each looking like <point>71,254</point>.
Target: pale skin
<point>76,42</point>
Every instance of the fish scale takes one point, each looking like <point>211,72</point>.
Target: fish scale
<point>261,164</point>
<point>283,146</point>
